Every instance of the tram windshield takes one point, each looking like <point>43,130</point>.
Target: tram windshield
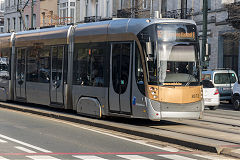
<point>171,52</point>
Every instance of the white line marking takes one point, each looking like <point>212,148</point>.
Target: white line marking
<point>42,158</point>
<point>212,157</point>
<point>25,144</point>
<point>2,141</point>
<point>176,157</point>
<point>25,149</point>
<point>2,158</point>
<point>134,157</point>
<point>171,149</point>
<point>236,151</point>
<point>89,157</point>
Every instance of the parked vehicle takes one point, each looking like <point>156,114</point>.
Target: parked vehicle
<point>223,80</point>
<point>236,95</point>
<point>211,96</point>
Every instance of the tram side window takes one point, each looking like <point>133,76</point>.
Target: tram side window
<point>88,67</point>
<point>44,65</point>
<point>139,72</point>
<point>32,63</point>
<point>38,64</point>
<point>5,63</point>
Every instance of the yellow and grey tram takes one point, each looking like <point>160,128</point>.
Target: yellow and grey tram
<point>139,68</point>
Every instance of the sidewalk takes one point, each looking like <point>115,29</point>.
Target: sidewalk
<point>191,141</point>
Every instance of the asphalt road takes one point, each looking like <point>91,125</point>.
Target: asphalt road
<point>27,136</point>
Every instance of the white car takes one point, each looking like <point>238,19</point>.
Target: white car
<point>236,96</point>
<point>211,96</point>
<point>223,80</point>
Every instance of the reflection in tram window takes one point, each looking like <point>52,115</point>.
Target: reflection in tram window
<point>88,67</point>
<point>38,64</point>
<point>4,63</point>
<point>139,72</point>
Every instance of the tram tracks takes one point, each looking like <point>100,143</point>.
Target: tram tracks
<point>207,134</point>
<point>221,128</point>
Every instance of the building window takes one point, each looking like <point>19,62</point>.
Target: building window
<point>96,8</point>
<point>51,16</point>
<point>121,4</point>
<point>43,18</point>
<point>230,52</point>
<point>2,5</point>
<point>34,21</point>
<point>72,4</point>
<point>72,15</point>
<point>8,25</point>
<point>27,21</point>
<point>20,23</point>
<point>209,4</point>
<point>86,9</point>
<point>144,4</point>
<point>65,12</point>
<point>107,14</point>
<point>164,6</point>
<point>14,24</point>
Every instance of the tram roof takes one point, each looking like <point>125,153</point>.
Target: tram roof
<point>43,30</point>
<point>122,25</point>
<point>46,36</point>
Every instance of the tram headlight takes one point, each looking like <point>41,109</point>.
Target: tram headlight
<point>155,97</point>
<point>153,93</point>
<point>153,89</point>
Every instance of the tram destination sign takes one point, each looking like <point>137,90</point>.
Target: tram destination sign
<point>169,35</point>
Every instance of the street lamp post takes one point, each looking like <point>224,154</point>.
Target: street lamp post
<point>204,33</point>
<point>32,14</point>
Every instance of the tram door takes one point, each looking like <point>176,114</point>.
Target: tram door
<point>120,78</point>
<point>21,74</point>
<point>56,83</point>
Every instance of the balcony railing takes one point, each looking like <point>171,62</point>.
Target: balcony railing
<point>184,13</point>
<point>124,13</point>
<point>92,19</point>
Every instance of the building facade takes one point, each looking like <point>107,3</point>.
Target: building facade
<point>94,10</point>
<point>45,13</point>
<point>223,48</point>
<point>67,11</point>
<point>223,43</point>
<point>1,16</point>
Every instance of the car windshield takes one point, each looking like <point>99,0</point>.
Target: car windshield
<point>207,84</point>
<point>224,78</point>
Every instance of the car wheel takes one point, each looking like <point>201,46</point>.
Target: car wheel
<point>236,103</point>
<point>213,107</point>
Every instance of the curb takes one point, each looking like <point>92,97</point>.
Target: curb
<point>103,124</point>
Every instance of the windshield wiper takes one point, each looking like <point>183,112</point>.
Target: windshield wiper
<point>190,77</point>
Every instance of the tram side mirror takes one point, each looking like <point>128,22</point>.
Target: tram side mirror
<point>149,51</point>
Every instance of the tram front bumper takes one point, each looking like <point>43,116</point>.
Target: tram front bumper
<point>159,110</point>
